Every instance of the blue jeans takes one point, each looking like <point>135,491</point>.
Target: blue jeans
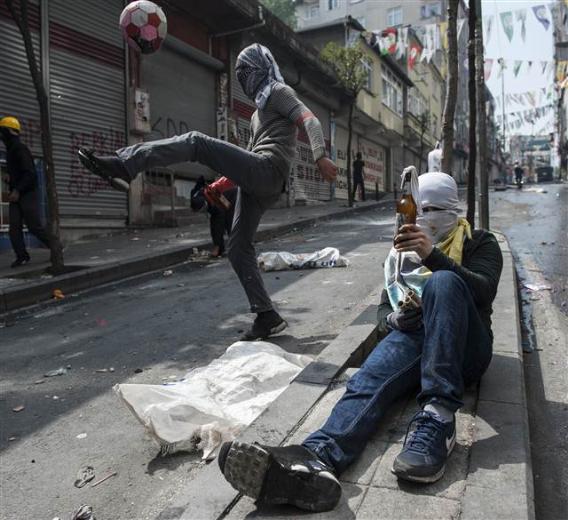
<point>452,350</point>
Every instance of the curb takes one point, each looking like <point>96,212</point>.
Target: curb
<point>209,495</point>
<point>14,298</point>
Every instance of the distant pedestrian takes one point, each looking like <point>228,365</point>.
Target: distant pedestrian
<point>518,172</point>
<point>23,208</point>
<point>260,172</point>
<point>358,180</point>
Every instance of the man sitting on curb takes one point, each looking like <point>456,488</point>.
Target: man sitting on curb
<point>441,347</point>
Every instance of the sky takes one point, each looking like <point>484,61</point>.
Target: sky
<point>538,46</point>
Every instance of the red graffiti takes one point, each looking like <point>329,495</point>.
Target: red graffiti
<point>82,183</point>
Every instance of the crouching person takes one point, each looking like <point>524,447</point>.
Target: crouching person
<point>440,347</point>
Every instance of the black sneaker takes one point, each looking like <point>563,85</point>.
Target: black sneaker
<point>108,168</point>
<point>427,446</point>
<point>289,475</point>
<point>21,261</point>
<point>265,324</point>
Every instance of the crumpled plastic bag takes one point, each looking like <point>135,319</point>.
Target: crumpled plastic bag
<point>213,403</point>
<point>281,260</point>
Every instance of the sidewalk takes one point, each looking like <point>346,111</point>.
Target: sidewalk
<point>107,259</point>
<point>488,476</point>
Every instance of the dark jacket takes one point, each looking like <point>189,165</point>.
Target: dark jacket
<point>20,165</point>
<point>481,268</point>
<point>358,166</point>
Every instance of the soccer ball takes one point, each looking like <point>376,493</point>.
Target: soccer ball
<point>144,26</point>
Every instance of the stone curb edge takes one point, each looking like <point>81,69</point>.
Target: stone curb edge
<point>209,496</point>
<point>15,298</point>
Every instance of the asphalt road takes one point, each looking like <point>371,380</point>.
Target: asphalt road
<point>535,221</point>
<point>149,330</point>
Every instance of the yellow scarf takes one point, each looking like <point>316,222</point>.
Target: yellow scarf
<point>453,245</point>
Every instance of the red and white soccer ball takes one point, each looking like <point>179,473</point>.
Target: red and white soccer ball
<point>144,26</point>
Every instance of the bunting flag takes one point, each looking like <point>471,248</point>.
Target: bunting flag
<point>413,55</point>
<point>544,65</point>
<point>444,35</point>
<point>461,23</point>
<point>529,67</point>
<point>541,14</point>
<point>521,16</point>
<point>517,67</point>
<point>561,67</point>
<point>488,26</point>
<point>387,41</point>
<point>487,69</point>
<point>508,26</point>
<point>531,98</point>
<point>503,66</point>
<point>402,43</point>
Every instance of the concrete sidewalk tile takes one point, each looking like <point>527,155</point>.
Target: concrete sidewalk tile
<point>388,504</point>
<point>480,503</point>
<point>351,499</point>
<point>363,469</point>
<point>450,486</point>
<point>503,381</point>
<point>500,456</point>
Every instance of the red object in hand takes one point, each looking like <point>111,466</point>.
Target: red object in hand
<point>214,192</point>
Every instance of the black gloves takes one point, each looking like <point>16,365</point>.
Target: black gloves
<point>405,320</point>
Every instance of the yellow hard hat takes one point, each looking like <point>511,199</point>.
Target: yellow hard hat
<point>12,123</point>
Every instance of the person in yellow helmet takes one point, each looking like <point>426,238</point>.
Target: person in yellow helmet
<point>22,197</point>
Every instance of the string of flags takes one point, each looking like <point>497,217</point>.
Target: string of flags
<point>541,67</point>
<point>518,18</point>
<point>395,41</point>
<point>524,116</point>
<point>532,97</point>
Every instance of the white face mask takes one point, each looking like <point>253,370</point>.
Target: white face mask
<point>438,223</point>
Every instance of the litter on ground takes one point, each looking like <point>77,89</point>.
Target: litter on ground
<point>213,403</point>
<point>282,260</point>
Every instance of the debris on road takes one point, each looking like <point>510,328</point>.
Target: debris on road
<point>58,294</point>
<point>18,408</point>
<point>537,287</point>
<point>84,513</point>
<point>138,371</point>
<point>213,403</point>
<point>12,439</point>
<point>39,382</point>
<point>282,260</point>
<point>81,436</point>
<point>104,479</point>
<point>168,272</point>
<point>57,372</point>
<point>84,476</point>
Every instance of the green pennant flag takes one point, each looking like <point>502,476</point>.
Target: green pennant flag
<point>507,21</point>
<point>517,67</point>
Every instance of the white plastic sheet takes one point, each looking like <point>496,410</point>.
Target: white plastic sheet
<point>213,403</point>
<point>281,260</point>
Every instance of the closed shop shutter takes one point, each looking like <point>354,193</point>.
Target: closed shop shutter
<point>17,92</point>
<point>88,105</point>
<point>182,98</point>
<point>307,181</point>
<point>374,156</point>
<point>341,146</point>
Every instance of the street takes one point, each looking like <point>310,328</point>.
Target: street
<point>164,326</point>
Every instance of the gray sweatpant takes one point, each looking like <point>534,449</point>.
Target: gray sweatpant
<point>260,185</point>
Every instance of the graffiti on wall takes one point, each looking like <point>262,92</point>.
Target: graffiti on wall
<point>165,127</point>
<point>82,183</point>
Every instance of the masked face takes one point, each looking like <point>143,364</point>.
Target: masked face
<point>438,223</point>
<point>250,78</point>
<point>4,134</point>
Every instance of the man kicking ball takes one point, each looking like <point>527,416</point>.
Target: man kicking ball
<point>260,172</point>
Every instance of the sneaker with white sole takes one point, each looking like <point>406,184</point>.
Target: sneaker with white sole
<point>428,444</point>
<point>109,168</point>
<point>280,475</point>
<point>265,324</point>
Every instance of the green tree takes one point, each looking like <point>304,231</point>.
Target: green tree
<point>347,63</point>
<point>284,9</point>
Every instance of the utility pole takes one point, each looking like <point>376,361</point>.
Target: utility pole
<point>482,122</point>
<point>472,159</point>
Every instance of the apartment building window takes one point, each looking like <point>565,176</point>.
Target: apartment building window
<point>332,4</point>
<point>394,16</point>
<point>416,103</point>
<point>368,66</point>
<point>431,9</point>
<point>392,92</point>
<point>312,12</point>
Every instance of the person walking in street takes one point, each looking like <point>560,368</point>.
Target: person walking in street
<point>440,346</point>
<point>518,171</point>
<point>23,207</point>
<point>358,165</point>
<point>260,172</point>
<point>220,218</point>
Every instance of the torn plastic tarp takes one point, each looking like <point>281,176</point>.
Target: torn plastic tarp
<point>281,260</point>
<point>213,403</point>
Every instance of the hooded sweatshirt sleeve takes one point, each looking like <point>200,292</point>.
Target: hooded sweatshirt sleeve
<point>25,178</point>
<point>482,273</point>
<point>287,104</point>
